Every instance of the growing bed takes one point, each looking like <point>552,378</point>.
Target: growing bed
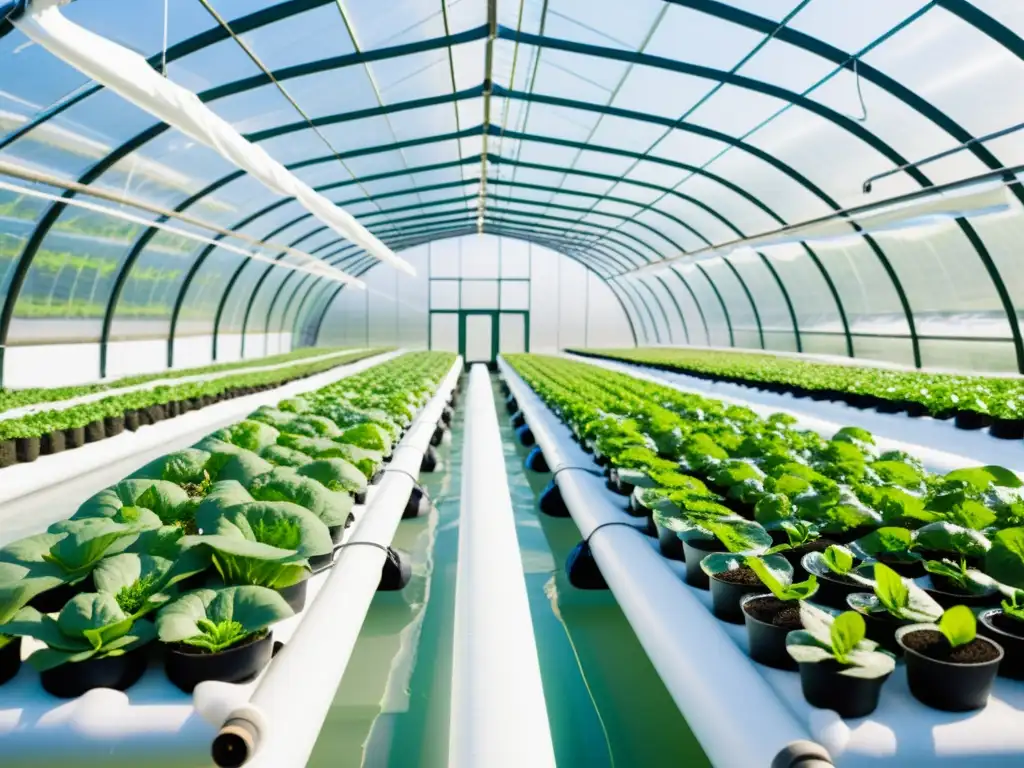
<point>155,723</point>
<point>742,712</point>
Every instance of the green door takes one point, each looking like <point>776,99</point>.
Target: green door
<point>480,332</point>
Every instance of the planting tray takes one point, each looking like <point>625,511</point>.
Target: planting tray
<point>744,713</point>
<point>157,725</point>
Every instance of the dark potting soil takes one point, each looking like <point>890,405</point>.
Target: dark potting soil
<point>195,650</point>
<point>933,644</point>
<point>1010,626</point>
<point>771,610</point>
<point>742,575</point>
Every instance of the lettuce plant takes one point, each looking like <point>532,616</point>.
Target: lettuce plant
<point>18,585</point>
<point>184,466</point>
<point>89,626</point>
<point>165,499</point>
<point>261,543</point>
<point>215,620</point>
<point>958,626</point>
<point>142,582</point>
<point>334,475</point>
<point>900,597</point>
<point>1004,561</point>
<point>841,639</point>
<point>248,434</point>
<point>287,484</point>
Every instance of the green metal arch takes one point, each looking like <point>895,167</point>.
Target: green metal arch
<point>693,295</point>
<point>679,309</point>
<point>721,301</point>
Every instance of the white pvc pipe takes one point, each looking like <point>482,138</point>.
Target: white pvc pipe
<point>283,719</point>
<point>498,715</point>
<point>735,715</point>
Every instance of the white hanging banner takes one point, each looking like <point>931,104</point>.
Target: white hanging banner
<point>130,75</point>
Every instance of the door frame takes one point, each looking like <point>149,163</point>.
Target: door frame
<point>495,315</point>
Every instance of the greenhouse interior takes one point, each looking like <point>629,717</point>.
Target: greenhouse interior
<point>511,383</point>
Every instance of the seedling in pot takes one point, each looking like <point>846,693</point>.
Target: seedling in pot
<point>701,536</point>
<point>839,668</point>
<point>733,577</point>
<point>1005,625</point>
<point>219,634</point>
<point>944,539</point>
<point>18,585</point>
<point>91,644</point>
<point>769,617</point>
<point>955,583</point>
<point>838,574</point>
<point>893,546</point>
<point>896,602</point>
<point>948,666</point>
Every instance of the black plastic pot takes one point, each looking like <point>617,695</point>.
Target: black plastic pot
<point>1007,429</point>
<point>995,626</point>
<point>69,681</point>
<point>360,496</point>
<point>74,437</point>
<point>947,594</point>
<point>295,595</point>
<point>824,687</point>
<point>131,420</point>
<point>908,569</point>
<point>511,405</point>
<point>946,685</point>
<point>113,425</point>
<point>52,442</point>
<point>968,419</point>
<point>832,592</point>
<point>726,597</point>
<point>767,641</point>
<point>338,532</point>
<point>187,666</point>
<point>8,453</point>
<point>95,431</point>
<point>694,551</point>
<point>888,406</point>
<point>881,626</point>
<point>616,484</point>
<point>27,448</point>
<point>518,420</point>
<point>10,660</point>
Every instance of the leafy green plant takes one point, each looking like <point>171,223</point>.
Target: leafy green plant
<point>840,639</point>
<point>218,619</point>
<point>89,626</point>
<point>958,625</point>
<point>963,578</point>
<point>900,597</point>
<point>782,588</point>
<point>1013,606</point>
<point>142,582</point>
<point>1004,561</point>
<point>262,543</point>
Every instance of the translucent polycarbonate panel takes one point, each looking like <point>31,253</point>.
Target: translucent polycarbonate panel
<point>949,290</point>
<point>867,292</point>
<point>444,294</point>
<point>690,225</point>
<point>403,21</point>
<point>776,321</point>
<point>672,331</point>
<point>973,355</point>
<point>70,278</point>
<point>444,332</point>
<point>743,313</point>
<point>695,331</point>
<point>515,294</point>
<point>823,343</point>
<point>444,258</point>
<point>345,324</point>
<point>515,257</point>
<point>714,315</point>
<point>1001,236</point>
<point>893,350</point>
<point>480,294</point>
<point>954,63</point>
<point>480,258</point>
<point>199,305</point>
<point>815,306</point>
<point>151,287</point>
<point>511,333</point>
<point>847,27</point>
<point>601,22</point>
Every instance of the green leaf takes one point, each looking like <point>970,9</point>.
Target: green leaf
<point>284,457</point>
<point>947,537</point>
<point>779,581</point>
<point>336,475</point>
<point>1004,562</point>
<point>847,631</point>
<point>886,540</point>
<point>980,478</point>
<point>244,467</point>
<point>773,507</point>
<point>287,484</point>
<point>838,558</point>
<point>958,625</point>
<point>739,535</point>
<point>902,598</point>
<point>19,583</point>
<point>185,466</point>
<point>208,611</point>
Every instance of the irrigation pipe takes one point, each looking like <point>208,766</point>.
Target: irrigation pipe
<point>498,715</point>
<point>280,724</point>
<point>734,713</point>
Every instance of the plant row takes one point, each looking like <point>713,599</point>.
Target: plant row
<point>839,558</point>
<point>46,432</point>
<point>205,548</point>
<point>973,402</point>
<point>18,398</point>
